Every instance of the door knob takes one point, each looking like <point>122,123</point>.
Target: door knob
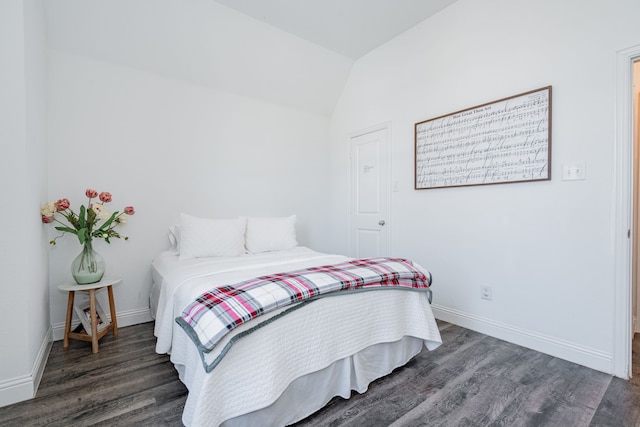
<point>381,222</point>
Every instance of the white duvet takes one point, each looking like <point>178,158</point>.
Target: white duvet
<point>260,369</point>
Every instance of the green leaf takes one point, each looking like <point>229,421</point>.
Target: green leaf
<point>66,229</point>
<point>108,222</point>
<point>91,216</point>
<point>82,217</point>
<point>82,235</point>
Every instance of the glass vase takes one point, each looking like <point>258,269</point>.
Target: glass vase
<point>88,266</point>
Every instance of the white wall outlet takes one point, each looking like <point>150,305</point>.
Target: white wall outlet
<point>486,292</point>
<point>574,171</point>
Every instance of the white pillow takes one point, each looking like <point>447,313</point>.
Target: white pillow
<point>174,238</point>
<point>203,237</point>
<point>271,234</point>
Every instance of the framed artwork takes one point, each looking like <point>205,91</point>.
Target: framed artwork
<point>503,141</point>
<point>83,311</point>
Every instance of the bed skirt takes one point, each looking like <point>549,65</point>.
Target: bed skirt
<point>307,394</point>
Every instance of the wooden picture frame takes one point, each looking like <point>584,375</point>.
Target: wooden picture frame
<point>504,141</point>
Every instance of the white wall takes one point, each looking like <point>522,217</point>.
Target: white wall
<point>24,306</point>
<point>546,248</point>
<point>166,146</point>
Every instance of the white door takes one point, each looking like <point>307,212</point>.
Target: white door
<point>370,194</point>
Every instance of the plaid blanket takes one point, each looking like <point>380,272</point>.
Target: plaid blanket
<point>218,311</point>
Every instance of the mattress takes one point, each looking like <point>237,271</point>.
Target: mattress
<point>328,347</point>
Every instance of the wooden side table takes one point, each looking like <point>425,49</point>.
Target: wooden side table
<point>91,288</point>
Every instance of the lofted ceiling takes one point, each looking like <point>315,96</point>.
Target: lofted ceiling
<point>349,27</point>
<point>296,53</point>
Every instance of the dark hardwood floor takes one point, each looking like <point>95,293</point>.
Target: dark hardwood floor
<point>471,380</point>
<point>125,384</point>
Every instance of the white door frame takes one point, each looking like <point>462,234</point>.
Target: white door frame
<point>382,126</point>
<point>624,186</point>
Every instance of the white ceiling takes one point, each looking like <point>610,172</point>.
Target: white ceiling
<point>296,53</point>
<point>349,27</point>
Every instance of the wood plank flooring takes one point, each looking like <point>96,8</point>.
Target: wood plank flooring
<point>471,380</point>
<point>125,384</point>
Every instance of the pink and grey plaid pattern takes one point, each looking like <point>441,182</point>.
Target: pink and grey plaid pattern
<point>218,311</point>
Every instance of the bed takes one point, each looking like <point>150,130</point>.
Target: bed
<point>282,366</point>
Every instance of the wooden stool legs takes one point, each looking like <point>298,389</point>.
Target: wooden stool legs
<point>67,325</point>
<point>94,336</point>
<point>112,310</point>
<point>94,321</point>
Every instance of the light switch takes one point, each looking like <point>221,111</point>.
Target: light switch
<point>574,171</point>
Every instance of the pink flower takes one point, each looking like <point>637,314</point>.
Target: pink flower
<point>86,223</point>
<point>105,197</point>
<point>62,204</point>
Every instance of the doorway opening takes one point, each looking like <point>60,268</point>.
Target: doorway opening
<point>625,252</point>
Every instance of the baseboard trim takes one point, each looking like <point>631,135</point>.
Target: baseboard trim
<point>125,318</point>
<point>582,355</point>
<point>24,387</point>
